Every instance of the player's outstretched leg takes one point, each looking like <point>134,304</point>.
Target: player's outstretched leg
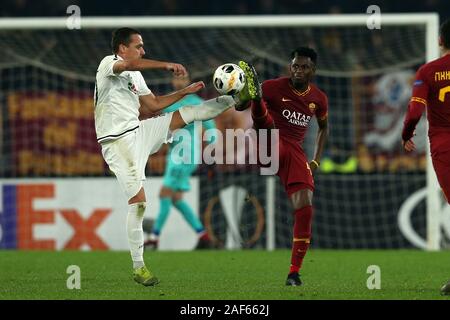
<point>251,95</point>
<point>252,87</point>
<point>210,109</point>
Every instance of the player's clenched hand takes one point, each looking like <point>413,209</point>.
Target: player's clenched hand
<point>409,145</point>
<point>194,87</point>
<point>178,69</point>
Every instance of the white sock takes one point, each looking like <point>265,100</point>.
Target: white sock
<point>207,110</point>
<point>135,233</point>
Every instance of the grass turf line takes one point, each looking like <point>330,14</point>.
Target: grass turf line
<point>225,275</point>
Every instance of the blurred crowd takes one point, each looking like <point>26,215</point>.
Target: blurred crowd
<point>355,139</point>
<point>27,8</point>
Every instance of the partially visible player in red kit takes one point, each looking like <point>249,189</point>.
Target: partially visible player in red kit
<point>431,90</point>
<point>289,104</point>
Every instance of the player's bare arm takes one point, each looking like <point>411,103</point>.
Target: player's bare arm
<point>322,136</point>
<point>146,64</point>
<point>151,104</point>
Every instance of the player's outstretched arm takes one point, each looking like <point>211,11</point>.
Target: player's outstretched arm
<point>322,136</point>
<point>145,64</point>
<point>150,104</point>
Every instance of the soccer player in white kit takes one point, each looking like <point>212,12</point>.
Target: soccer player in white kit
<point>121,97</point>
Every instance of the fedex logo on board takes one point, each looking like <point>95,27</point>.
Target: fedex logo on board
<point>20,218</point>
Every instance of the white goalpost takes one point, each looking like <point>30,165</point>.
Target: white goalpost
<point>355,207</point>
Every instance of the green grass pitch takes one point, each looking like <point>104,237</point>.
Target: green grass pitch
<point>225,275</point>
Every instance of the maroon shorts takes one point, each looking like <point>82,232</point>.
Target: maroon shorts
<point>440,154</point>
<point>294,171</point>
<point>441,164</point>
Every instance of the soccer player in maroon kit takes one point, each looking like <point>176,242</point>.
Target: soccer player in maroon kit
<point>289,104</point>
<point>431,90</point>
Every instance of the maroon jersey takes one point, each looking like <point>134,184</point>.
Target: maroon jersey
<point>431,90</point>
<point>291,109</point>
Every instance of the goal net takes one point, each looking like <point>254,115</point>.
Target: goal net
<point>369,194</point>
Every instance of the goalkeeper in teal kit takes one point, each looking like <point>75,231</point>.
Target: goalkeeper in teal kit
<point>178,171</point>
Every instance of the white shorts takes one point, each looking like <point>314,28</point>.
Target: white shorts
<point>127,156</point>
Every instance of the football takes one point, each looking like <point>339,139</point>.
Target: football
<point>229,79</point>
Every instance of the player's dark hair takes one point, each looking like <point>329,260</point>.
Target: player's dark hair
<point>305,52</point>
<point>122,36</point>
<point>444,32</point>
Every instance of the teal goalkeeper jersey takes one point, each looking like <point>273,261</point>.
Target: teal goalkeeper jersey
<point>194,144</point>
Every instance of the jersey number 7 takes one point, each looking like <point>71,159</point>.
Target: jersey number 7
<point>442,93</point>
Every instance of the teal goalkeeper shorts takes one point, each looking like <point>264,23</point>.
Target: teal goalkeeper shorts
<point>177,176</point>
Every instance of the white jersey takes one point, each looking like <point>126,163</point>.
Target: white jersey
<point>117,100</point>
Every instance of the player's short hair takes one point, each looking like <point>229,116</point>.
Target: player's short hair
<point>444,32</point>
<point>122,36</point>
<point>305,52</point>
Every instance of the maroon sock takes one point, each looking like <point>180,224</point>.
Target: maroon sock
<point>302,237</point>
<point>262,120</point>
<point>260,115</point>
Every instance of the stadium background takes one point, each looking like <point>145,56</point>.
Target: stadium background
<point>360,188</point>
<point>47,8</point>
